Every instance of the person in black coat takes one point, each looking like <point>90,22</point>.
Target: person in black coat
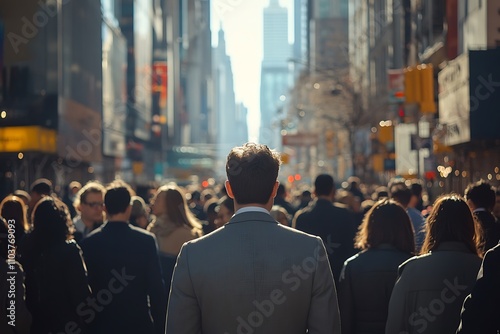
<point>481,198</point>
<point>333,224</point>
<point>124,272</point>
<point>367,279</point>
<point>481,308</point>
<point>56,278</point>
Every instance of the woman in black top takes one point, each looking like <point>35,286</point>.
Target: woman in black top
<point>56,276</point>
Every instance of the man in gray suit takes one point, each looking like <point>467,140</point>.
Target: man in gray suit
<point>253,275</point>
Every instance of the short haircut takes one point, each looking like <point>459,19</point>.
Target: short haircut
<point>353,180</point>
<point>228,202</point>
<point>23,194</point>
<point>42,186</point>
<point>90,187</point>
<point>451,220</point>
<point>386,223</point>
<point>401,193</point>
<point>252,171</point>
<point>481,194</point>
<point>281,190</point>
<point>210,205</point>
<point>381,193</point>
<point>323,185</point>
<point>117,197</point>
<point>416,188</point>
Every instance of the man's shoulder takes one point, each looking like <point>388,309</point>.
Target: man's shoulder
<point>325,209</point>
<point>134,232</point>
<point>218,236</point>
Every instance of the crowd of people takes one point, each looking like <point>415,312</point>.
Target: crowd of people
<point>248,256</point>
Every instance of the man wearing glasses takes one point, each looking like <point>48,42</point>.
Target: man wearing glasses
<point>89,204</point>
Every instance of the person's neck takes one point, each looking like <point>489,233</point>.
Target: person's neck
<point>120,217</point>
<point>266,206</point>
<point>88,222</point>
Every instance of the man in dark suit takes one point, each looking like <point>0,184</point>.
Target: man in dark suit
<point>253,275</point>
<point>124,272</point>
<point>481,198</point>
<point>482,307</point>
<point>334,224</point>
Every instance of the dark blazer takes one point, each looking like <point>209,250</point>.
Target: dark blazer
<point>125,277</point>
<point>481,309</point>
<point>491,229</point>
<point>335,226</point>
<point>253,275</point>
<point>365,289</point>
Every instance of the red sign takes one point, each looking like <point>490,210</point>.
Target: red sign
<point>160,84</point>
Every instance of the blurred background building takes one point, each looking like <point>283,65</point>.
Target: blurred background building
<point>375,89</point>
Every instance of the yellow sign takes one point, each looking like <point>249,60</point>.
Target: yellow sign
<point>137,167</point>
<point>27,138</point>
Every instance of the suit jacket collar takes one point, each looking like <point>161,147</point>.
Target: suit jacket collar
<point>251,217</point>
<point>116,225</point>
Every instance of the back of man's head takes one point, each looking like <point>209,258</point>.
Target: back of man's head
<point>42,187</point>
<point>281,191</point>
<point>117,198</point>
<point>324,185</point>
<point>252,171</point>
<point>400,193</point>
<point>481,194</point>
<point>416,189</point>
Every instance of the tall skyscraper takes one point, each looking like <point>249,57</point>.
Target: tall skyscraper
<point>231,118</point>
<point>300,33</point>
<point>275,76</point>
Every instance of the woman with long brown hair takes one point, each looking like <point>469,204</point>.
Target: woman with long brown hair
<point>431,287</point>
<point>174,225</point>
<point>386,240</point>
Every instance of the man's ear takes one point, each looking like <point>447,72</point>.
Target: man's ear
<point>275,189</point>
<point>229,190</point>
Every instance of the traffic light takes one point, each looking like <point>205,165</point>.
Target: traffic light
<point>412,85</point>
<point>427,104</point>
<point>419,87</point>
<point>401,113</point>
<point>386,133</point>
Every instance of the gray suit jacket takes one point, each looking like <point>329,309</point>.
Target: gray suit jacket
<point>253,276</point>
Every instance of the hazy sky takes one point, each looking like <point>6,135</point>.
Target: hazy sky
<point>242,23</point>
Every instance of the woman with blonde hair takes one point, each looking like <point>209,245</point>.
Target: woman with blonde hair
<point>431,287</point>
<point>174,225</point>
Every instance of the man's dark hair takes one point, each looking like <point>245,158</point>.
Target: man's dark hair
<point>42,187</point>
<point>281,191</point>
<point>481,194</point>
<point>210,205</point>
<point>252,171</point>
<point>400,193</point>
<point>117,198</point>
<point>323,185</point>
<point>416,189</point>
